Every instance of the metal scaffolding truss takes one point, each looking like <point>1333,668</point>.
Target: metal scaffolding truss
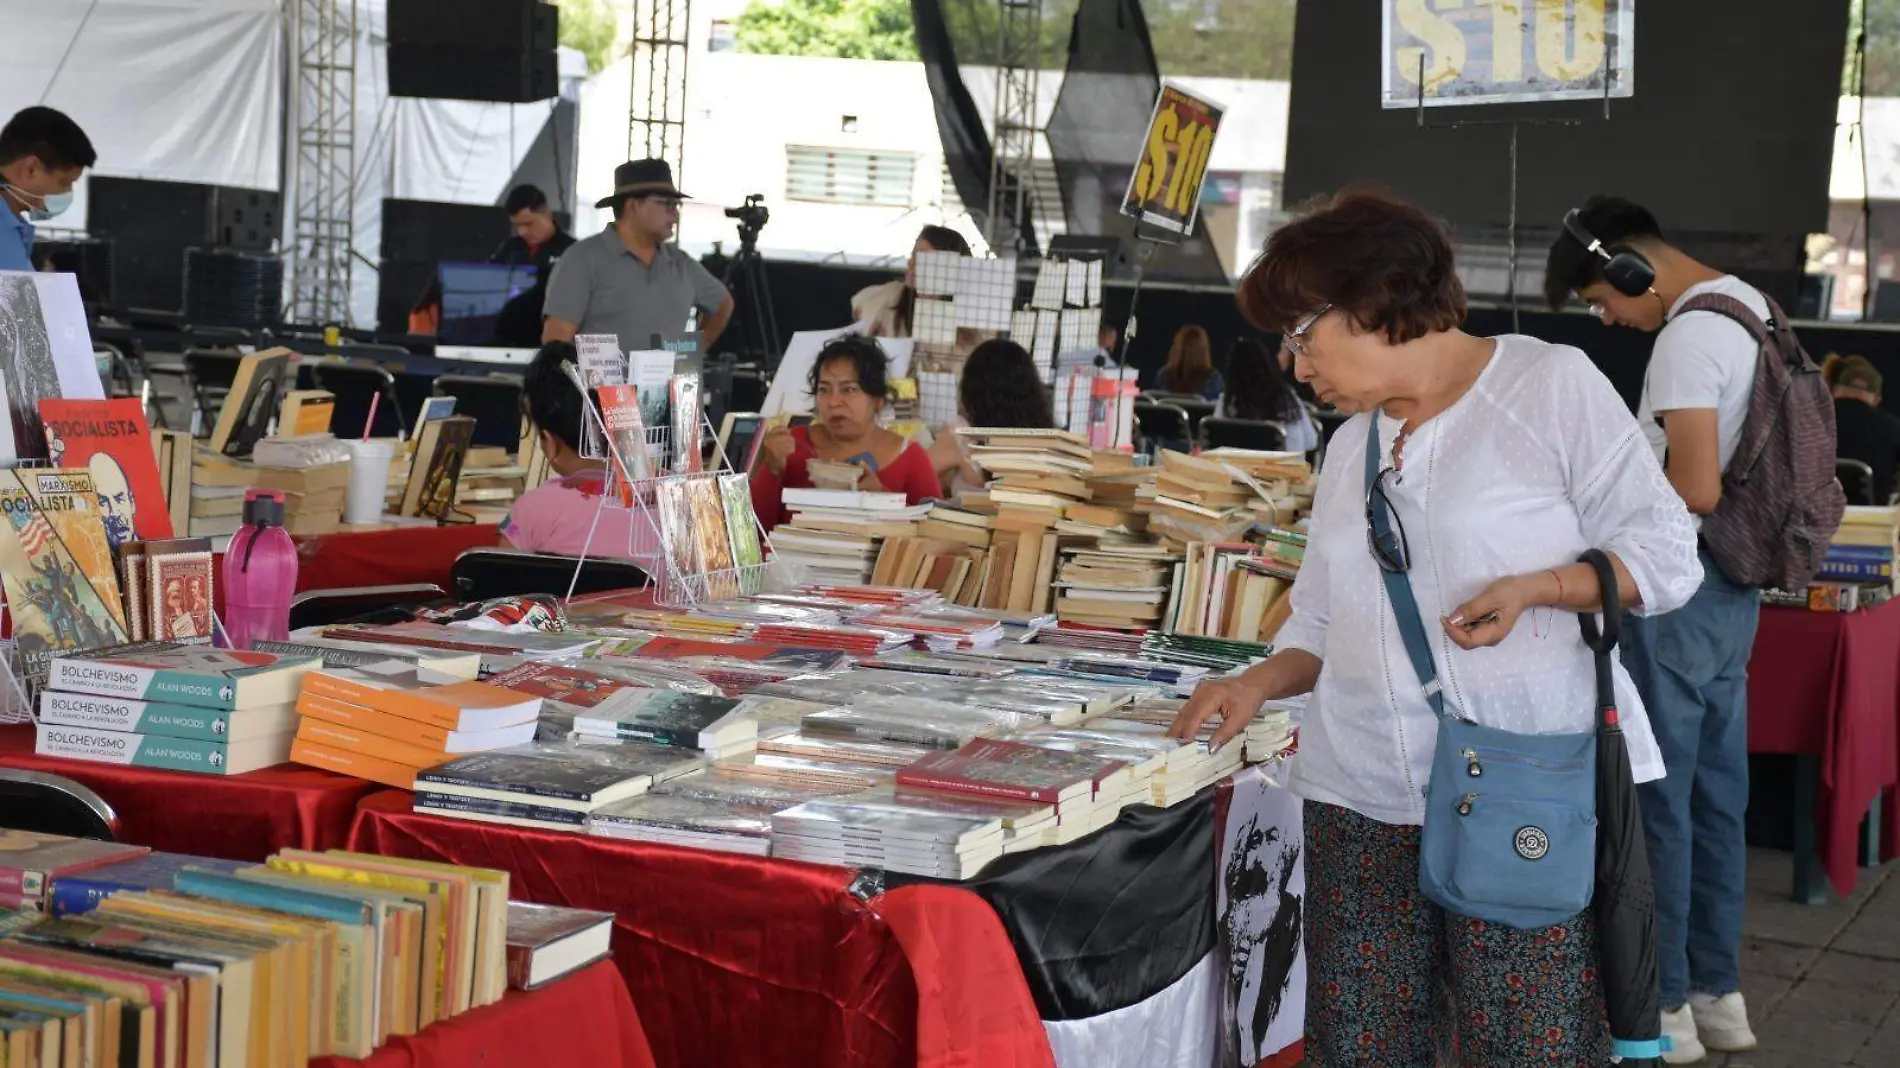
<point>656,105</point>
<point>1014,128</point>
<point>324,164</point>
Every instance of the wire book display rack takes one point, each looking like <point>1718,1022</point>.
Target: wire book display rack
<point>693,528</point>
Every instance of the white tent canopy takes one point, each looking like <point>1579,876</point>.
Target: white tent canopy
<point>193,91</point>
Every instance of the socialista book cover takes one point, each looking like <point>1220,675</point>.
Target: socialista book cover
<point>110,438</point>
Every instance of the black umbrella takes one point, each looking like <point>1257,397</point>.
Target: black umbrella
<point>1625,899</point>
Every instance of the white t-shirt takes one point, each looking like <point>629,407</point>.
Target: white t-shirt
<point>1703,360</point>
<point>1538,461</point>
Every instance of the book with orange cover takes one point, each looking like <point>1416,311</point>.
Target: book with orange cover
<point>370,745</point>
<point>412,732</point>
<point>356,765</point>
<point>460,706</point>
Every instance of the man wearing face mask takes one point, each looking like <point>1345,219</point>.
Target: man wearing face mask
<point>42,153</point>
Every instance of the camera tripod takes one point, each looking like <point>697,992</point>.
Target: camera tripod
<point>745,279</point>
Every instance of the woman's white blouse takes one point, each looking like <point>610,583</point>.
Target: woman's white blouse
<point>1537,462</point>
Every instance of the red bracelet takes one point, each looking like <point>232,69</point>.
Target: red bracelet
<point>1560,585</point>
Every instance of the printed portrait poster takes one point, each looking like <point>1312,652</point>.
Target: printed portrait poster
<point>45,352</point>
<point>1260,900</point>
<point>111,439</point>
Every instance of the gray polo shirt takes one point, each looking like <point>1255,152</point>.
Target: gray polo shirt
<point>605,289</point>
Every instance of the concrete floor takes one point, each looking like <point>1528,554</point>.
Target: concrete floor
<point>1823,982</point>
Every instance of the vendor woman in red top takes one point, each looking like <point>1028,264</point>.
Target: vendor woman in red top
<point>848,389</point>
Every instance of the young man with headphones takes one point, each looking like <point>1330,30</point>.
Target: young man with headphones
<point>1690,665</point>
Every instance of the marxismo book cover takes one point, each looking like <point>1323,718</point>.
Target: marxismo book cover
<point>110,439</point>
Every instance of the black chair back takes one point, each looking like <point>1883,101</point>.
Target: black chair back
<point>354,384</point>
<point>1261,434</point>
<point>54,804</point>
<point>483,574</point>
<point>1163,425</point>
<point>494,401</point>
<point>208,376</point>
<point>362,604</point>
<point>1857,480</point>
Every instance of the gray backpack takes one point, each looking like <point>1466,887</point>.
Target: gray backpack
<point>1781,502</point>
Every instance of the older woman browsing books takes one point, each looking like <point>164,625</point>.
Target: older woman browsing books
<point>1497,462</point>
<point>848,389</point>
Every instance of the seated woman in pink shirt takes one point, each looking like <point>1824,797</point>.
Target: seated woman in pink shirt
<point>848,388</point>
<point>556,516</point>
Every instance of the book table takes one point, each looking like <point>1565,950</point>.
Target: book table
<point>741,961</point>
<point>237,817</point>
<point>1825,688</point>
<point>583,1020</point>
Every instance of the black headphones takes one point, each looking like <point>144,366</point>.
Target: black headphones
<point>1623,267</point>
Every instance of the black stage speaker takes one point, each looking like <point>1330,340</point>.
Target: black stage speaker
<point>476,25</point>
<point>246,219</point>
<point>431,231</point>
<point>145,210</point>
<point>494,50</point>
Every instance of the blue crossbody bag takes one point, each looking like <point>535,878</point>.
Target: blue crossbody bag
<point>1510,819</point>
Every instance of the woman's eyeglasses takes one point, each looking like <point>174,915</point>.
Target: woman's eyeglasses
<point>1389,546</point>
<point>1296,338</point>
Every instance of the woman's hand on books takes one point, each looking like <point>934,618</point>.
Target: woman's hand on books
<point>869,482</point>
<point>1236,700</point>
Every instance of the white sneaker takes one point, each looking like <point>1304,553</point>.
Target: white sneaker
<point>1679,1028</point>
<point>1723,1021</point>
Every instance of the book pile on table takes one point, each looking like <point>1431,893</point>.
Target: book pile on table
<point>313,475</point>
<point>169,960</point>
<point>1088,791</point>
<point>942,842</point>
<point>548,785</point>
<point>1162,771</point>
<point>1270,732</point>
<point>386,722</point>
<point>164,705</point>
<point>1858,571</point>
<point>710,809</point>
<point>1191,766</point>
<point>1118,586</point>
<point>1230,589</point>
<point>1049,699</point>
<point>835,533</point>
<point>1219,655</point>
<point>1074,635</point>
<point>700,723</point>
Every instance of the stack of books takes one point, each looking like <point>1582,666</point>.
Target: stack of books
<point>1270,733</point>
<point>1086,790</point>
<point>716,727</point>
<point>1861,554</point>
<point>386,722</point>
<point>1125,587</point>
<point>164,705</point>
<point>718,824</point>
<point>915,839</point>
<point>1190,769</point>
<point>185,961</point>
<point>1198,499</point>
<point>33,863</point>
<point>548,785</point>
<point>835,533</point>
<point>314,496</point>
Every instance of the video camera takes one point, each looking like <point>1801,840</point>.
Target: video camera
<point>752,217</point>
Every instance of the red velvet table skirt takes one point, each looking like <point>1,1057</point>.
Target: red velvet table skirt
<point>240,817</point>
<point>741,961</point>
<point>585,1020</point>
<point>1827,685</point>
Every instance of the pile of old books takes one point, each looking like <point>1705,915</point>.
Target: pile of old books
<point>834,534</point>
<point>1859,569</point>
<point>164,705</point>
<point>124,956</point>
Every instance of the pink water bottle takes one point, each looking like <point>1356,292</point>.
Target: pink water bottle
<point>260,573</point>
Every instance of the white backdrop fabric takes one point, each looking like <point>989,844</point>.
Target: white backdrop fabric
<point>193,91</point>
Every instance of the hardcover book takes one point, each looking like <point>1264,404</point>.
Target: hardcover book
<point>441,451</point>
<point>1012,769</point>
<point>31,861</point>
<point>110,440</point>
<point>546,942</point>
<point>252,403</point>
<point>62,588</point>
<point>180,674</point>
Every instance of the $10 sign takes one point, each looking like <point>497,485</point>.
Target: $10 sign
<point>1165,189</point>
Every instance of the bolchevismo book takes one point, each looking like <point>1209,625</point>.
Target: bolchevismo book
<point>170,720</point>
<point>110,439</point>
<point>61,585</point>
<point>186,675</point>
<point>158,751</point>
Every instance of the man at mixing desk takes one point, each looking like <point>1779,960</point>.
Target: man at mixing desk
<point>628,280</point>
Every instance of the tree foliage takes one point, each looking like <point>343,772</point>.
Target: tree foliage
<point>590,27</point>
<point>842,29</point>
<point>1223,38</point>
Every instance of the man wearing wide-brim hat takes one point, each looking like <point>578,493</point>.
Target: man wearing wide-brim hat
<point>627,280</point>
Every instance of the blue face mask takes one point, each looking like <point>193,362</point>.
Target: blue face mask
<point>51,206</point>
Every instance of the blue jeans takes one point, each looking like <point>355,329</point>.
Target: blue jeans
<point>1691,666</point>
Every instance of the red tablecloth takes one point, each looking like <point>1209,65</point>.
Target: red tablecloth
<point>240,817</point>
<point>739,961</point>
<point>392,557</point>
<point>1827,684</point>
<point>585,1020</point>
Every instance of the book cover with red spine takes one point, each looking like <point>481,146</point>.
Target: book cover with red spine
<point>111,439</point>
<point>1011,769</point>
